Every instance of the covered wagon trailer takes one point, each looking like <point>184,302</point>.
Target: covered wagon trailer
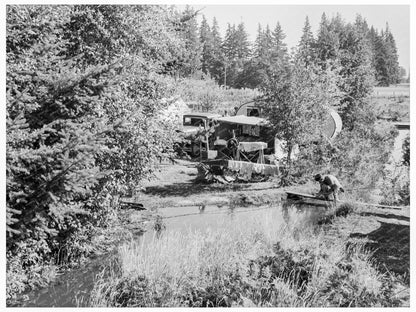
<point>243,144</point>
<point>331,125</point>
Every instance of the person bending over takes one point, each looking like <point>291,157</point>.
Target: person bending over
<point>329,185</point>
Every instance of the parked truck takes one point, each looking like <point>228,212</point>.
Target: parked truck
<point>196,133</point>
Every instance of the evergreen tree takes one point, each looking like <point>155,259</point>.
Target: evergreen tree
<point>253,72</point>
<point>236,50</point>
<point>242,43</point>
<point>379,57</point>
<point>258,43</point>
<point>230,52</point>
<point>206,39</point>
<point>264,44</point>
<point>193,48</point>
<point>267,43</point>
<point>327,42</point>
<point>392,59</point>
<point>217,66</point>
<point>372,36</point>
<point>229,44</point>
<point>216,35</point>
<point>269,51</point>
<point>279,47</point>
<point>306,46</point>
<point>361,25</point>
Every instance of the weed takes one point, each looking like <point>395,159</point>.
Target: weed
<point>159,224</point>
<point>263,262</point>
<point>344,209</point>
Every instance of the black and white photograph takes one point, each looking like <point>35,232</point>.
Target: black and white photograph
<point>207,154</point>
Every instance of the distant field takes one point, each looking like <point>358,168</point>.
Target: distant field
<point>394,91</point>
<point>393,102</point>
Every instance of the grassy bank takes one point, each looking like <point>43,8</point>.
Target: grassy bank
<point>272,260</point>
<point>88,243</point>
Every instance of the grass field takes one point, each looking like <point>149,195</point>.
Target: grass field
<point>392,91</point>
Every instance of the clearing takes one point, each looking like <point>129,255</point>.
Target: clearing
<point>386,231</point>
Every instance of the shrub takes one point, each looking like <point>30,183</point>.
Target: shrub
<point>395,186</point>
<point>83,120</point>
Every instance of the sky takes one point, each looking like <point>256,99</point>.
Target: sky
<point>292,19</point>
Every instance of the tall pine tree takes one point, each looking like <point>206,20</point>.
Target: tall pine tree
<point>279,47</point>
<point>327,42</point>
<point>217,66</point>
<point>242,43</point>
<point>205,37</point>
<point>193,48</point>
<point>306,47</point>
<point>236,49</point>
<point>392,59</point>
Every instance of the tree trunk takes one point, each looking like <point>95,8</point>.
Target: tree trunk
<point>289,158</point>
<point>286,179</point>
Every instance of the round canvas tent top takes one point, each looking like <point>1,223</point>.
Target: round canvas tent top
<point>249,109</point>
<point>332,124</point>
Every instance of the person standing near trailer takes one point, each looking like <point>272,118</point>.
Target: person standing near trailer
<point>329,185</point>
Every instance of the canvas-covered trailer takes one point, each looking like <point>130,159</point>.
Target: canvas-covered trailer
<point>242,144</point>
<point>232,130</point>
<point>246,148</point>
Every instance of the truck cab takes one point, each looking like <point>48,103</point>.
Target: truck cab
<point>195,127</point>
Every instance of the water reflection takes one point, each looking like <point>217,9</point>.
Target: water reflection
<point>73,288</point>
<point>306,212</point>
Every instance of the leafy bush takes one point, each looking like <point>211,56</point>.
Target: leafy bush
<point>84,97</point>
<point>357,157</point>
<point>395,186</point>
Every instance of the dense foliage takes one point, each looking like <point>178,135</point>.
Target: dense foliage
<point>335,73</point>
<point>295,100</point>
<point>84,96</point>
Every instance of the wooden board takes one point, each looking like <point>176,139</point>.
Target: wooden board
<point>297,195</point>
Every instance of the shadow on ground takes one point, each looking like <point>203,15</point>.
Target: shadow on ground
<point>391,246</point>
<point>387,216</point>
<point>186,189</point>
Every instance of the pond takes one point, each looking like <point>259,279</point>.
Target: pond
<point>73,288</point>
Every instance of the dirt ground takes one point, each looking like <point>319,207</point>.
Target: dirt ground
<point>175,186</point>
<point>386,231</point>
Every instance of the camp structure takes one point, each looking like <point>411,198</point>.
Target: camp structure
<point>244,148</point>
<point>332,124</point>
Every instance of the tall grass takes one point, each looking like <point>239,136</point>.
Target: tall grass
<point>261,261</point>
